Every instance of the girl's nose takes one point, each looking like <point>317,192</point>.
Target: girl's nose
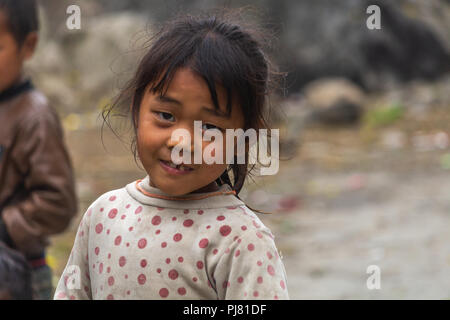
<point>184,141</point>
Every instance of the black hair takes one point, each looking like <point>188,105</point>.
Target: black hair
<point>22,17</point>
<point>15,274</point>
<point>224,49</point>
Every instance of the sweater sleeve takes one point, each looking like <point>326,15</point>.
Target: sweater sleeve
<point>252,269</point>
<point>75,283</point>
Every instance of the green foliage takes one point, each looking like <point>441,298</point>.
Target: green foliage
<point>384,116</point>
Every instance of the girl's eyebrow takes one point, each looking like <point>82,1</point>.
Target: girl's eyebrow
<point>178,103</point>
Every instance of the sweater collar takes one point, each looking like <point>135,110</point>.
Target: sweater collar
<point>15,90</point>
<point>218,199</point>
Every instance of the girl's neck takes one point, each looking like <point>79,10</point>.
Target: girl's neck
<point>208,188</point>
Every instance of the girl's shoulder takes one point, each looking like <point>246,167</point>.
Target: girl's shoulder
<point>109,200</point>
<point>245,220</point>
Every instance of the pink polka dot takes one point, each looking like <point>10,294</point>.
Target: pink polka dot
<point>168,260</point>
<point>101,209</point>
<point>186,211</point>
<point>269,255</point>
<point>61,295</point>
<point>110,297</point>
<point>100,268</point>
<point>156,220</point>
<point>123,217</point>
<point>111,280</point>
<point>208,226</point>
<point>108,270</point>
<point>126,276</point>
<point>142,243</point>
<point>108,231</point>
<point>112,213</point>
<point>194,279</point>
<point>163,244</point>
<point>128,244</point>
<point>244,228</point>
<point>259,234</point>
<point>158,270</point>
<point>174,218</point>
<point>99,228</point>
<point>225,284</point>
<point>260,279</point>
<point>259,263</point>
<point>138,210</point>
<point>139,220</point>
<point>255,293</point>
<point>188,222</point>
<point>240,279</point>
<point>225,230</point>
<point>227,250</point>
<point>220,218</point>
<point>173,274</point>
<point>200,212</point>
<point>127,206</point>
<point>275,297</point>
<point>158,231</point>
<point>160,209</point>
<point>255,224</point>
<point>122,261</point>
<point>203,243</point>
<point>270,270</point>
<point>163,293</point>
<point>97,250</point>
<point>282,285</point>
<point>130,229</point>
<point>251,247</point>
<point>200,264</point>
<point>112,198</point>
<point>180,259</point>
<point>118,240</point>
<point>143,263</point>
<point>141,279</point>
<point>109,255</point>
<point>128,292</point>
<point>177,237</point>
<point>238,252</point>
<point>181,291</point>
<point>215,251</point>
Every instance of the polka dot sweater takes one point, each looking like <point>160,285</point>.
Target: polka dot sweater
<point>130,245</point>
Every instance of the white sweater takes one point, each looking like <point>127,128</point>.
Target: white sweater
<point>130,245</point>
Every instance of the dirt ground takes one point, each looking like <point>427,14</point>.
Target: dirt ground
<point>348,199</point>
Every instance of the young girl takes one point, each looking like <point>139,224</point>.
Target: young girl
<point>182,232</point>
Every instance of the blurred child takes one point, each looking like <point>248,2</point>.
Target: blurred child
<point>15,275</point>
<point>182,232</point>
<point>37,197</point>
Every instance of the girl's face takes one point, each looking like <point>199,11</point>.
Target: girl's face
<point>186,100</point>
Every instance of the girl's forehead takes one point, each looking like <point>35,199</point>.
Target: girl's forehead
<point>188,87</point>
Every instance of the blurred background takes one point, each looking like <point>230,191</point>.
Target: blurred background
<point>364,123</point>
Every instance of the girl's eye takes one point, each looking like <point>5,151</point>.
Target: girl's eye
<point>165,116</point>
<point>211,126</point>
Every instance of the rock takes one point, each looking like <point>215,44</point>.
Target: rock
<point>335,101</point>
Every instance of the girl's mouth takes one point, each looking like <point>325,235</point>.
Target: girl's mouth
<point>172,168</point>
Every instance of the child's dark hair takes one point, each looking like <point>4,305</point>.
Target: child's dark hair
<point>15,274</point>
<point>21,17</point>
<point>223,48</point>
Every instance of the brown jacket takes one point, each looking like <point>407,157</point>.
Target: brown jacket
<point>37,195</point>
